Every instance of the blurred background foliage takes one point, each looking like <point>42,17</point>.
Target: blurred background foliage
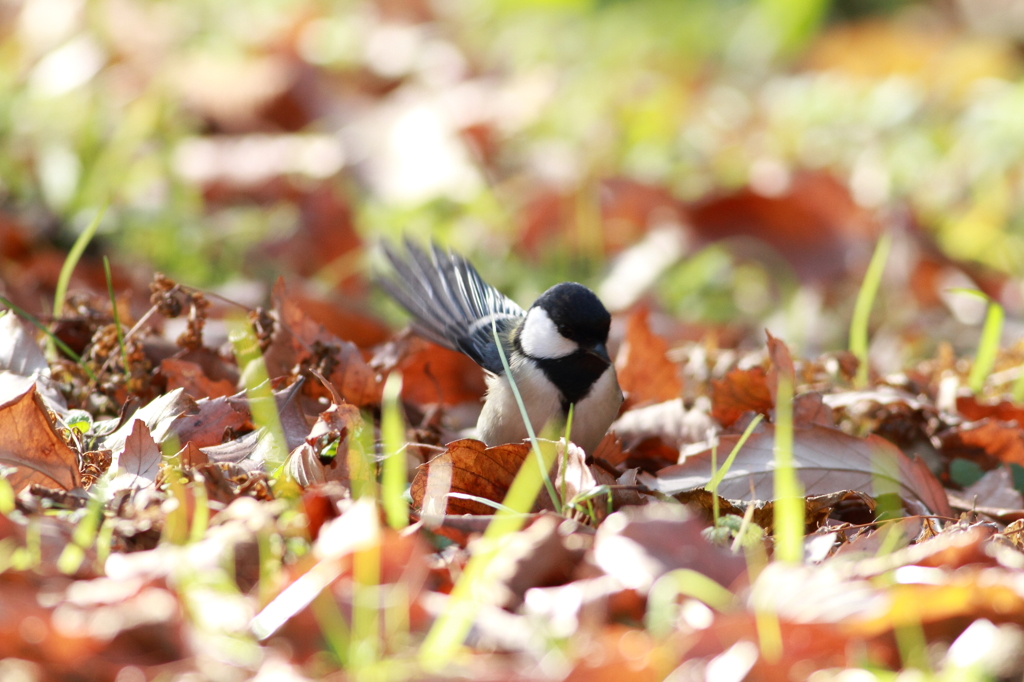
<point>746,154</point>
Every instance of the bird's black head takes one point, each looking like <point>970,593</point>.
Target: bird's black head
<point>564,333</point>
<point>577,313</point>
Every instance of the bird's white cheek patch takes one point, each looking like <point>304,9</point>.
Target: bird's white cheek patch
<point>540,337</point>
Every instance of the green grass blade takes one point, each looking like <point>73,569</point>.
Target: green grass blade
<point>74,255</point>
<point>988,344</point>
<point>257,389</point>
<point>662,611</point>
<point>862,309</point>
<point>789,497</point>
<point>42,327</point>
<point>117,316</point>
<point>555,500</point>
<point>720,474</point>
<point>393,475</point>
<point>988,347</point>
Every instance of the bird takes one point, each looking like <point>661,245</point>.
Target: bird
<point>556,350</point>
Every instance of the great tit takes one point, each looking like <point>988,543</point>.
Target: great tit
<point>556,350</point>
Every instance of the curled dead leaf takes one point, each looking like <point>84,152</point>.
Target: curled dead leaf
<point>31,444</point>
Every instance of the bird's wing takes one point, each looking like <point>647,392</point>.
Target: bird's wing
<point>452,305</point>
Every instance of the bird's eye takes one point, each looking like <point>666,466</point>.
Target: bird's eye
<point>540,337</point>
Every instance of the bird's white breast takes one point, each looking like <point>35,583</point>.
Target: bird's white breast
<point>501,421</point>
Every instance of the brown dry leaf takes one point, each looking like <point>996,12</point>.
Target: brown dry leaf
<point>1004,410</point>
<point>639,544</point>
<point>610,450</point>
<point>669,422</point>
<point>947,607</point>
<point>160,416</point>
<point>304,340</point>
<point>538,556</point>
<point>817,508</point>
<point>30,443</point>
<point>189,377</point>
<point>738,392</point>
<point>468,467</point>
<point>431,374</point>
<point>995,489</point>
<point>620,653</point>
<point>191,456</point>
<point>140,460</point>
<point>646,375</point>
<point>816,226</point>
<point>806,646</point>
<point>307,466</point>
<point>826,461</point>
<point>239,450</point>
<point>987,439</point>
<point>810,408</point>
<point>585,605</point>
<point>22,364</point>
<point>213,418</point>
<point>781,366</point>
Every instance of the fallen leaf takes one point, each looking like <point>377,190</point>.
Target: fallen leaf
<point>645,374</point>
<point>987,439</point>
<point>212,419</point>
<point>817,508</point>
<point>140,460</point>
<point>191,456</point>
<point>30,443</point>
<point>1004,410</point>
<point>300,340</point>
<point>159,417</point>
<point>538,556</point>
<point>781,366</point>
<point>738,392</point>
<point>466,467</point>
<point>826,461</point>
<point>670,422</point>
<point>814,224</point>
<point>19,351</point>
<point>431,374</point>
<point>640,544</point>
<point>189,377</point>
<point>995,489</point>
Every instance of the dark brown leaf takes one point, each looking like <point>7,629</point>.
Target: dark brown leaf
<point>826,461</point>
<point>640,544</point>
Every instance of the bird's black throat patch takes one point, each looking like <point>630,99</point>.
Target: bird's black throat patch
<point>574,375</point>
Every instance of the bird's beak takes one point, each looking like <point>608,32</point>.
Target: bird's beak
<point>599,351</point>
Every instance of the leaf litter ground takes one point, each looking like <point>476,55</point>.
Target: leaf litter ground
<point>162,539</point>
